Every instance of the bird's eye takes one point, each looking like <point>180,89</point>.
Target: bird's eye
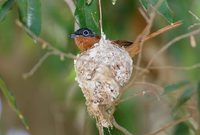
<point>86,33</point>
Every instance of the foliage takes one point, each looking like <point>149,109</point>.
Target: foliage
<point>163,8</point>
<point>5,8</point>
<point>29,12</point>
<point>11,100</point>
<point>54,99</point>
<point>87,14</point>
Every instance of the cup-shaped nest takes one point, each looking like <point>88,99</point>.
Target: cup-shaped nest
<point>101,72</point>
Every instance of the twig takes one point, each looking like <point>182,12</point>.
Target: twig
<point>149,85</point>
<point>72,8</point>
<point>36,66</point>
<point>140,68</point>
<point>143,13</point>
<point>171,124</point>
<point>155,87</point>
<point>136,45</point>
<point>100,128</point>
<point>193,25</point>
<point>120,128</point>
<point>139,94</point>
<point>195,16</point>
<point>146,31</point>
<point>193,41</point>
<point>140,41</point>
<point>100,18</point>
<point>163,30</point>
<point>170,43</point>
<point>44,43</point>
<point>141,37</point>
<point>177,68</point>
<point>71,5</point>
<point>131,84</point>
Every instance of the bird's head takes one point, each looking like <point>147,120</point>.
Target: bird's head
<point>84,38</point>
<point>83,32</point>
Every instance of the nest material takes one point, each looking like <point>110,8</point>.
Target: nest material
<point>101,72</point>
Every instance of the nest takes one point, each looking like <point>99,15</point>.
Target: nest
<point>101,72</point>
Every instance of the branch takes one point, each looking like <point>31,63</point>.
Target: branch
<point>135,49</point>
<point>169,125</point>
<point>140,69</point>
<point>100,128</point>
<point>195,16</point>
<point>36,66</point>
<point>72,8</point>
<point>141,37</point>
<point>154,87</point>
<point>71,5</point>
<point>194,25</point>
<point>170,43</point>
<point>120,128</point>
<point>177,68</point>
<point>163,30</point>
<point>44,43</point>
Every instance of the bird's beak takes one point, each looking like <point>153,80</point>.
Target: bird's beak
<point>72,35</point>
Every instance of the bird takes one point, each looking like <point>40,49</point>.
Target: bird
<point>85,38</point>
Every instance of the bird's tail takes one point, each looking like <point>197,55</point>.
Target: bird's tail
<point>135,48</point>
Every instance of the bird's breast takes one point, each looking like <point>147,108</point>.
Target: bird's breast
<point>85,43</point>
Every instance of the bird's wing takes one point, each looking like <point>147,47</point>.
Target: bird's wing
<point>122,43</point>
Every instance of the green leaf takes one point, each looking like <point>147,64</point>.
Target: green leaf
<point>182,129</point>
<point>87,15</point>
<point>22,7</point>
<point>5,8</point>
<point>164,9</point>
<point>30,14</point>
<point>172,87</point>
<point>12,102</point>
<point>184,97</point>
<point>198,96</point>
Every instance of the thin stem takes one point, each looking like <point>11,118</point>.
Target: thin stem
<point>100,128</point>
<point>154,87</point>
<point>140,42</point>
<point>163,30</point>
<point>36,66</point>
<point>146,31</point>
<point>140,69</point>
<point>171,124</point>
<point>134,48</point>
<point>165,47</point>
<point>194,25</point>
<point>44,43</point>
<point>195,16</point>
<point>100,18</point>
<point>120,128</point>
<point>71,5</point>
<point>143,13</point>
<point>178,68</point>
<point>72,8</point>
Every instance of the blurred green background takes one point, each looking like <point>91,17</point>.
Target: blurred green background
<point>53,103</point>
